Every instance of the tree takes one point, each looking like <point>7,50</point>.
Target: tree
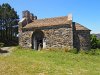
<point>98,43</point>
<point>94,41</point>
<point>8,21</point>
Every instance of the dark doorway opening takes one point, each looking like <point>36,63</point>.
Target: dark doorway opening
<point>37,39</point>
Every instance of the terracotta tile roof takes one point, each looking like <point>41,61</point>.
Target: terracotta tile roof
<point>80,27</point>
<point>48,22</point>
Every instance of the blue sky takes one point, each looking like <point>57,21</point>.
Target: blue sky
<point>85,12</point>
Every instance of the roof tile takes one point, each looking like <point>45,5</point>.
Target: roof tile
<point>80,27</point>
<point>48,22</point>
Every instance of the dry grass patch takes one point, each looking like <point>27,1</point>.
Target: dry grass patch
<point>28,62</point>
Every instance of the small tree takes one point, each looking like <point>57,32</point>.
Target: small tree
<point>1,45</point>
<point>94,41</point>
<point>98,43</point>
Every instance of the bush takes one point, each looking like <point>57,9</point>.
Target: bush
<point>84,51</point>
<point>94,41</point>
<point>98,44</point>
<point>92,52</point>
<point>1,45</point>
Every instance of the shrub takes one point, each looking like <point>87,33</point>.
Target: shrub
<point>1,45</point>
<point>94,41</point>
<point>92,51</point>
<point>98,44</point>
<point>84,51</point>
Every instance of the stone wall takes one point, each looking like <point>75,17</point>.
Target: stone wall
<point>59,36</point>
<point>82,39</point>
<point>25,39</point>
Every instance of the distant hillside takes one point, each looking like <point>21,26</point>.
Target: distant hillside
<point>98,35</point>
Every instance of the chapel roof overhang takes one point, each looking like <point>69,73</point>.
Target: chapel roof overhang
<point>80,27</point>
<point>51,22</point>
<point>56,21</point>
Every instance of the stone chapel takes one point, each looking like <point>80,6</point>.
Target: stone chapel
<point>57,32</point>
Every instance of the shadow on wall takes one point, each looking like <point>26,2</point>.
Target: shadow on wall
<point>76,40</point>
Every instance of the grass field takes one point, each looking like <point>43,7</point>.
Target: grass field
<point>28,62</point>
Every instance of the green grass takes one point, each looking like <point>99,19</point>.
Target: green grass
<point>28,62</point>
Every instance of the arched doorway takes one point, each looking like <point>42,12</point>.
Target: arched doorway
<point>37,39</point>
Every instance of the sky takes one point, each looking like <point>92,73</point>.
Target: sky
<point>85,12</point>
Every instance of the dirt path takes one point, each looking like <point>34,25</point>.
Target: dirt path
<point>6,50</point>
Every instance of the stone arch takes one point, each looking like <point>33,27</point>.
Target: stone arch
<point>37,39</point>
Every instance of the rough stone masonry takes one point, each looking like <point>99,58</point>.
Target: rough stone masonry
<point>57,32</point>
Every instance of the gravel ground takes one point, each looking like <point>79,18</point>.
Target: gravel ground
<point>6,51</point>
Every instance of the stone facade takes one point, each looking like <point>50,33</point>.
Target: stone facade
<point>82,40</point>
<point>53,32</point>
<point>54,37</point>
<point>58,37</point>
<point>25,39</point>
